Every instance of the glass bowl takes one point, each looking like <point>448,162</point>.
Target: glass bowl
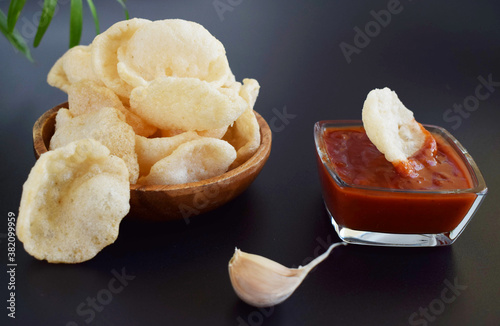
<point>393,217</point>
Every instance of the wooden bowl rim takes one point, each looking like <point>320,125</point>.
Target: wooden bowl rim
<point>262,153</point>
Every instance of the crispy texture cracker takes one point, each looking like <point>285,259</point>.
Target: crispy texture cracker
<point>214,133</point>
<point>193,161</point>
<point>172,48</point>
<point>391,127</point>
<point>151,150</point>
<point>77,64</point>
<point>244,136</point>
<point>140,126</point>
<point>187,104</point>
<point>73,66</point>
<point>87,96</point>
<point>171,132</point>
<point>72,203</point>
<point>104,125</point>
<point>249,91</point>
<point>104,53</point>
<point>57,76</point>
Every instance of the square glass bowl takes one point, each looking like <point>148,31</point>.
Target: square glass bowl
<point>393,217</point>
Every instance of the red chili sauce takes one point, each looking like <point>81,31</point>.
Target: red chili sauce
<point>358,162</point>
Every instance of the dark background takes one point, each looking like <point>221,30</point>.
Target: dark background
<point>430,53</point>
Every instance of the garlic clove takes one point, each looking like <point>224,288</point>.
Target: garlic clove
<point>262,282</point>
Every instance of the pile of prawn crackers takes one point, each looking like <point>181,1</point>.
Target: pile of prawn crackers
<point>149,103</point>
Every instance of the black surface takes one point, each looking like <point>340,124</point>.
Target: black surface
<point>431,53</point>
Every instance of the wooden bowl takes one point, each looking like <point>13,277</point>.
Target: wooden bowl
<point>161,202</point>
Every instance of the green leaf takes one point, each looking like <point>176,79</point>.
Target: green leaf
<point>75,22</point>
<point>49,6</point>
<point>94,15</point>
<point>14,38</point>
<point>15,8</point>
<point>124,6</point>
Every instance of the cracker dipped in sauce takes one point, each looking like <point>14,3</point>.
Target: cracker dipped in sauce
<point>396,176</point>
<point>392,150</point>
<point>359,162</point>
<point>392,128</point>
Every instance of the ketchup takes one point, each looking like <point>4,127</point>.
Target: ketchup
<point>358,162</point>
<point>373,197</point>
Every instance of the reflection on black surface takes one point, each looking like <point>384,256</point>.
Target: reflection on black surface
<point>370,278</point>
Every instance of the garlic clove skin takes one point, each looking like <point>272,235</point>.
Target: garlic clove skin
<point>262,282</point>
